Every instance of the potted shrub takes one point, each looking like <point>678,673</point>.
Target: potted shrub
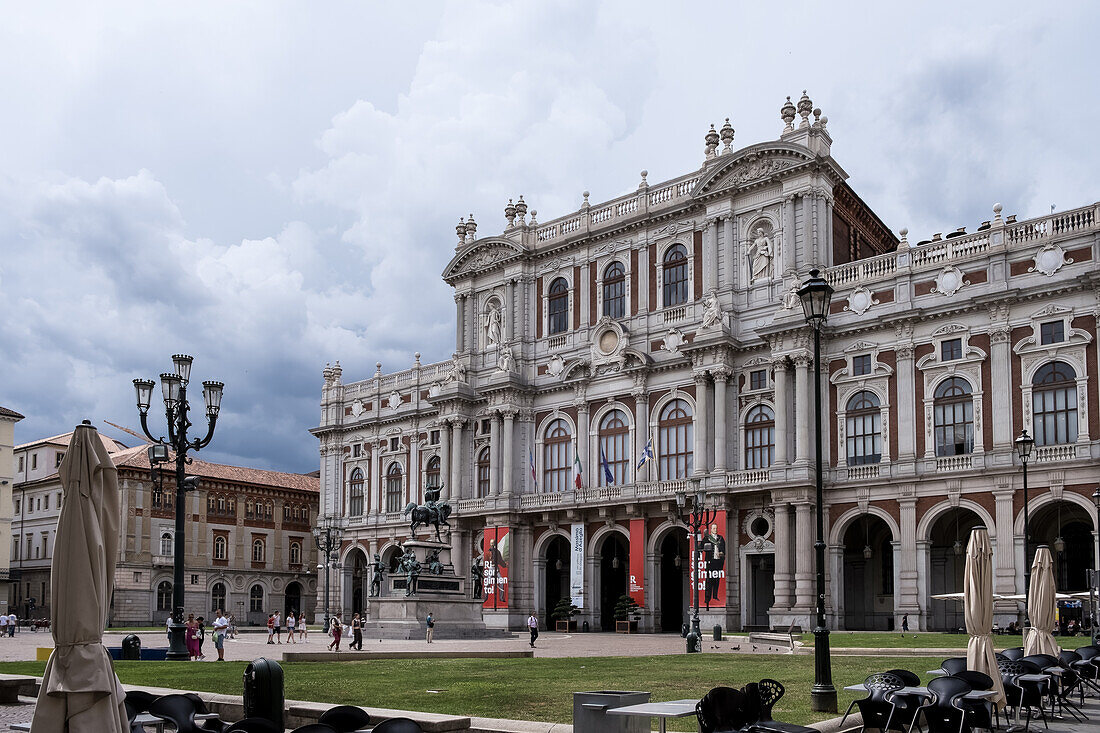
<point>563,614</point>
<point>626,615</point>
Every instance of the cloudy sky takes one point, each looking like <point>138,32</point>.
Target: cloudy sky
<point>273,185</point>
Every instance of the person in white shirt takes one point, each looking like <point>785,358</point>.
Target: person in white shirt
<point>290,620</point>
<point>12,623</point>
<point>3,625</point>
<point>533,627</point>
<point>221,627</point>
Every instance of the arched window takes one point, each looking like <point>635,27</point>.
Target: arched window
<point>164,596</point>
<point>394,490</point>
<point>953,416</point>
<point>759,437</point>
<point>355,493</point>
<point>256,598</point>
<point>431,473</point>
<point>558,310</point>
<point>675,277</point>
<point>614,290</point>
<point>675,433</point>
<point>295,553</point>
<point>217,597</point>
<point>221,546</point>
<point>556,457</point>
<point>259,550</point>
<point>863,429</point>
<point>1054,400</point>
<point>614,448</point>
<point>166,543</point>
<point>483,474</point>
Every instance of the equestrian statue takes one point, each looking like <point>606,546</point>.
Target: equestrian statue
<point>433,512</point>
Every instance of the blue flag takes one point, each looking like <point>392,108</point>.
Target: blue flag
<point>607,475</point>
<point>647,454</point>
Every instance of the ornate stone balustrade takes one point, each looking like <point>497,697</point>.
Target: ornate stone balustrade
<point>954,463</point>
<point>1054,453</point>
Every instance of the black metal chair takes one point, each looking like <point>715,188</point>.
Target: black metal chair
<point>982,713</point>
<point>254,725</point>
<point>345,718</point>
<point>397,725</point>
<point>315,728</point>
<point>178,710</point>
<point>724,709</point>
<point>1023,694</point>
<point>954,665</point>
<point>943,714</point>
<point>877,708</point>
<point>767,693</point>
<point>911,679</point>
<point>1088,666</point>
<point>1013,654</point>
<point>136,703</point>
<point>1072,679</point>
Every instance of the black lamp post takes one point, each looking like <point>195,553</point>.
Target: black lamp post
<point>1024,444</point>
<point>176,407</point>
<point>327,535</point>
<point>697,520</point>
<point>815,294</point>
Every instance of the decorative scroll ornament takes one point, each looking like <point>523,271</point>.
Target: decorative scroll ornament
<point>395,400</point>
<point>673,341</point>
<point>950,281</point>
<point>556,365</point>
<point>1050,259</point>
<point>357,408</point>
<point>860,301</point>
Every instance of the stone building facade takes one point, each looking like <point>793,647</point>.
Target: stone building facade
<point>8,419</point>
<point>665,321</point>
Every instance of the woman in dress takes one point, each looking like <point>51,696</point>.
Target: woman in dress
<point>303,632</point>
<point>335,628</point>
<point>191,636</point>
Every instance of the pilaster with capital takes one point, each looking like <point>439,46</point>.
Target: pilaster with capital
<point>509,450</point>
<point>376,465</point>
<point>494,453</point>
<point>721,378</point>
<point>803,403</point>
<point>908,596</point>
<point>460,322</point>
<point>700,447</point>
<point>456,458</point>
<point>445,456</point>
<point>641,424</point>
<point>1000,363</point>
<point>729,249</point>
<point>511,310</point>
<point>583,438</point>
<point>906,395</point>
<point>782,405</point>
<point>710,256</point>
<point>1004,560</point>
<point>782,539</point>
<point>804,593</point>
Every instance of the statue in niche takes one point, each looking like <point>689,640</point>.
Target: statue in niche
<point>492,324</point>
<point>761,254</point>
<point>712,311</point>
<point>506,361</point>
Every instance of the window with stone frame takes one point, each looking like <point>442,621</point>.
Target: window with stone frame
<point>863,429</point>
<point>256,599</point>
<point>759,437</point>
<point>166,543</point>
<point>164,596</point>
<point>217,597</point>
<point>953,417</point>
<point>394,488</point>
<point>355,493</point>
<point>951,349</point>
<point>558,307</point>
<point>675,436</point>
<point>1054,404</point>
<point>259,550</point>
<point>484,472</point>
<point>614,290</point>
<point>295,553</point>
<point>557,457</point>
<point>674,271</point>
<point>1052,332</point>
<point>861,365</point>
<point>221,547</point>
<point>614,448</point>
<point>758,379</point>
<point>432,473</point>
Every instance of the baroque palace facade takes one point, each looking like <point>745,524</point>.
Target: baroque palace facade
<point>665,321</point>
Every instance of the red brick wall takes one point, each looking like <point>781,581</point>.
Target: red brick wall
<point>698,240</point>
<point>634,275</point>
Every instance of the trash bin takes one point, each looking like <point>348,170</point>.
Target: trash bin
<point>718,632</point>
<point>584,628</point>
<point>131,647</point>
<point>590,712</point>
<point>263,691</point>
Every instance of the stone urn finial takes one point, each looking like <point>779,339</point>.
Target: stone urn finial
<point>788,112</point>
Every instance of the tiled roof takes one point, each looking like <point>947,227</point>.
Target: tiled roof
<point>112,445</point>
<point>139,458</point>
<point>5,412</point>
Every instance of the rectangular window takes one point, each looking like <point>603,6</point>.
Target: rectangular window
<point>34,461</point>
<point>758,379</point>
<point>137,576</point>
<point>394,443</point>
<point>45,544</point>
<point>1053,332</point>
<point>357,450</point>
<point>951,349</point>
<point>433,437</point>
<point>20,464</point>
<point>17,506</point>
<point>485,427</point>
<point>58,499</point>
<point>861,365</point>
<point>60,457</point>
<point>47,504</point>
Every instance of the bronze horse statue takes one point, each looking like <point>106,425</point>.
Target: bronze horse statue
<point>434,512</point>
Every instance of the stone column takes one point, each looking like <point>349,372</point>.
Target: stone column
<point>471,322</point>
<point>804,556</point>
<point>456,459</point>
<point>643,276</point>
<point>790,253</point>
<point>1004,558</point>
<point>641,434</point>
<point>907,423</point>
<point>445,459</point>
<point>494,454</point>
<point>376,461</point>
<point>414,468</point>
<point>700,448</point>
<point>803,402</point>
<point>460,325</point>
<point>729,252</point>
<point>720,378</point>
<point>710,257</point>
<point>584,292</point>
<point>782,405</point>
<point>1000,365</point>
<point>907,591</point>
<point>509,457</point>
<point>583,442</point>
<point>782,539</point>
<point>509,310</point>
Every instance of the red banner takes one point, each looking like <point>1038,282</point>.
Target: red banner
<point>636,581</point>
<point>494,565</point>
<point>709,566</point>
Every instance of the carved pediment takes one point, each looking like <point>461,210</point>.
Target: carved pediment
<point>482,255</point>
<point>752,164</point>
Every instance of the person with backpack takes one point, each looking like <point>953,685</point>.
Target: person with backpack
<point>429,623</point>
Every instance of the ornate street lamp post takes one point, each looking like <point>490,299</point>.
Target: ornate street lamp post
<point>697,520</point>
<point>815,294</point>
<point>327,535</point>
<point>176,407</point>
<point>1024,444</point>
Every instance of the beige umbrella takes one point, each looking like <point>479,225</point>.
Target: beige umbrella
<point>978,606</point>
<point>80,692</point>
<point>1040,606</point>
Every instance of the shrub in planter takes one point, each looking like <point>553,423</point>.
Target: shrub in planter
<point>563,614</point>
<point>626,615</point>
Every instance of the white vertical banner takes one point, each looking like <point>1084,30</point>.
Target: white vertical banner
<point>576,565</point>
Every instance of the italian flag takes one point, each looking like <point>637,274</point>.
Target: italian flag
<point>578,472</point>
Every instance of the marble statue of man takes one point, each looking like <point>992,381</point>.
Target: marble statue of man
<point>761,255</point>
<point>492,325</point>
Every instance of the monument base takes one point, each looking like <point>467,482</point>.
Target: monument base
<point>403,618</point>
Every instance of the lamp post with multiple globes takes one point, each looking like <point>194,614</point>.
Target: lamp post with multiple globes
<point>1024,444</point>
<point>697,520</point>
<point>327,535</point>
<point>176,408</point>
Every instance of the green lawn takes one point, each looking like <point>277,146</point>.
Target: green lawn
<point>524,689</point>
<point>927,640</point>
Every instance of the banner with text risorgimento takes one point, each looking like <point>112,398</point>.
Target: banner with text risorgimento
<point>495,558</point>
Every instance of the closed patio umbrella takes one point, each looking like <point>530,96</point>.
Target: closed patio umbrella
<point>978,603</point>
<point>1040,606</point>
<point>80,692</point>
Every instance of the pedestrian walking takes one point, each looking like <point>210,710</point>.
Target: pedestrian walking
<point>168,629</point>
<point>221,628</point>
<point>303,632</point>
<point>905,622</point>
<point>356,633</point>
<point>290,622</point>
<point>202,635</point>
<point>533,627</point>
<point>191,636</point>
<point>334,629</point>
<point>278,627</point>
<point>270,628</point>
<point>12,623</point>
<point>429,624</point>
<point>3,625</point>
